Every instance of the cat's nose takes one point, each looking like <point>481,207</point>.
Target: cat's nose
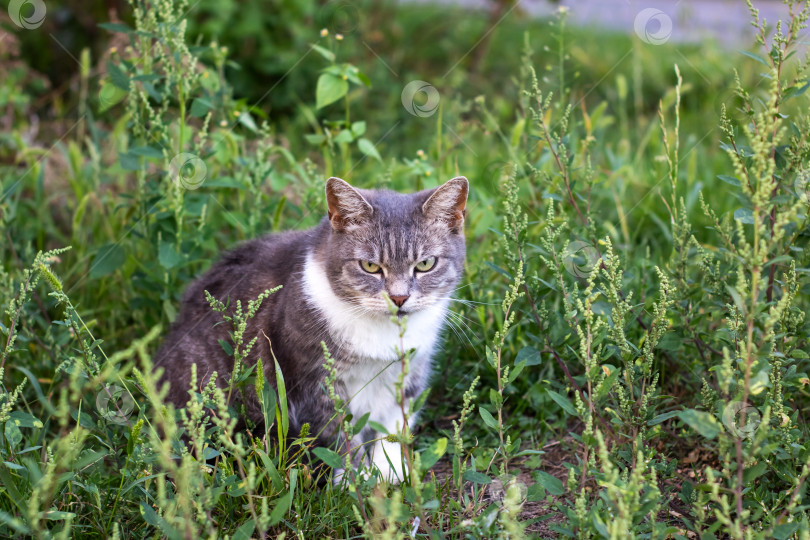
<point>399,300</point>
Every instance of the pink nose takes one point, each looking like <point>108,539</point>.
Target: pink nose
<point>399,300</point>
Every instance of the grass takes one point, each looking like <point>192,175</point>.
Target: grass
<point>628,353</point>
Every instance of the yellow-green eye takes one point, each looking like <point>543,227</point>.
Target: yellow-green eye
<point>427,264</point>
<point>370,267</point>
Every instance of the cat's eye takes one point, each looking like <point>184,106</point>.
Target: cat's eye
<point>427,264</point>
<point>370,267</point>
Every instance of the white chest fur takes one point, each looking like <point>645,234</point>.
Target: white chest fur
<point>372,342</point>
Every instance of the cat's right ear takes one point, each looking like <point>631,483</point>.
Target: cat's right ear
<point>347,207</point>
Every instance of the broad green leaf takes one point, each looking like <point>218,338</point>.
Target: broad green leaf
<point>489,420</point>
<point>281,508</point>
<point>661,417</point>
<point>326,53</point>
<point>476,477</point>
<point>563,402</point>
<point>513,374</point>
<point>328,456</point>
<point>552,484</point>
<point>329,89</point>
<point>702,422</point>
<point>729,179</point>
<point>744,215</point>
<point>23,419</point>
<point>244,532</point>
<point>108,259</point>
<point>433,454</point>
<point>200,107</point>
<point>358,128</point>
<point>13,434</point>
<point>168,256</point>
<point>116,27</point>
<point>368,148</point>
<point>785,530</point>
<point>530,355</point>
<point>117,76</point>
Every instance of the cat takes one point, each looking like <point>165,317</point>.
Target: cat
<point>411,246</point>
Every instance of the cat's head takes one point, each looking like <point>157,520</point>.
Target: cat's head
<point>409,245</point>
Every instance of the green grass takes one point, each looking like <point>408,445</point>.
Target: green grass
<point>637,271</point>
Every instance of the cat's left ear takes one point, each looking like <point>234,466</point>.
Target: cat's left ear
<point>448,203</point>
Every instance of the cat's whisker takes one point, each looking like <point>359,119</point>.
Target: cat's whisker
<point>458,331</point>
<point>469,302</point>
<point>460,320</point>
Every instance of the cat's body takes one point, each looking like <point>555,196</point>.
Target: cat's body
<point>331,294</point>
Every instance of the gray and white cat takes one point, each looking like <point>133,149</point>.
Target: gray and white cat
<point>409,245</point>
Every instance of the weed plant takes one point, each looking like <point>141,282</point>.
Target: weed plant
<point>627,357</point>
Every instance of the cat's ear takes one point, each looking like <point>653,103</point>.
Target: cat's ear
<point>448,202</point>
<point>347,207</point>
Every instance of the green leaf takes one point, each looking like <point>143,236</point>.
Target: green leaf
<point>744,215</point>
<point>552,484</point>
<point>345,136</point>
<point>200,107</point>
<point>116,27</point>
<point>244,532</point>
<point>702,422</point>
<point>149,515</point>
<point>23,419</point>
<point>117,76</point>
<point>488,418</point>
<point>661,417</point>
<point>282,414</point>
<point>168,256</point>
<point>326,53</point>
<point>281,508</point>
<point>55,515</point>
<point>563,402</point>
<point>476,477</point>
<point>530,355</point>
<point>368,148</point>
<point>328,456</point>
<point>13,434</point>
<point>433,454</point>
<point>513,374</point>
<point>729,179</point>
<point>360,424</point>
<point>146,152</point>
<point>756,57</point>
<point>108,259</point>
<point>329,89</point>
<point>785,530</point>
<point>535,493</point>
<point>358,128</point>
<point>226,346</point>
<point>129,161</point>
<point>246,119</point>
